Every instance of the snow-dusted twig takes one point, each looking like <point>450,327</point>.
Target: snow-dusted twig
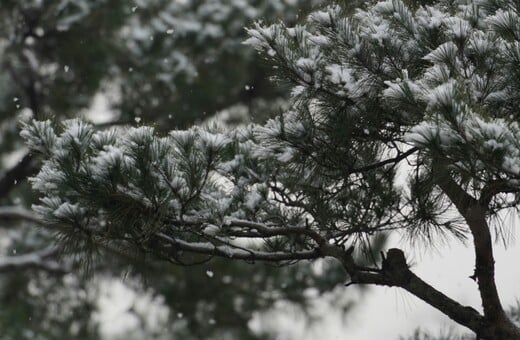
<point>36,260</point>
<point>18,213</point>
<point>207,248</point>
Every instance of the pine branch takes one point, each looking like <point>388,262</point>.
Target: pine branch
<point>40,260</point>
<point>18,213</point>
<point>494,188</point>
<point>380,164</point>
<point>475,216</point>
<point>207,248</point>
<point>278,231</point>
<point>396,273</point>
<point>457,195</point>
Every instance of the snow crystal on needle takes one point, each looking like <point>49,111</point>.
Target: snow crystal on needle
<point>444,53</point>
<point>307,64</point>
<point>319,40</point>
<point>106,159</point>
<point>213,141</point>
<point>458,27</point>
<point>211,229</point>
<point>259,36</point>
<point>48,179</point>
<point>252,200</point>
<point>322,17</point>
<point>69,211</point>
<point>430,17</point>
<point>442,95</point>
<point>340,74</point>
<point>39,135</point>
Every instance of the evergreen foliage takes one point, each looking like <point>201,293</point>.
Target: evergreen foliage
<point>149,57</point>
<point>396,86</point>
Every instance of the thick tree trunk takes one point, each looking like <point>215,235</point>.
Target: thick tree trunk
<point>396,273</point>
<point>474,213</point>
<point>484,275</point>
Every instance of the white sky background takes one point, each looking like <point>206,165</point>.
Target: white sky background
<point>387,313</point>
<point>398,313</point>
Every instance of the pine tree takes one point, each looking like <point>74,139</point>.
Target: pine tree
<point>399,86</point>
<point>55,56</point>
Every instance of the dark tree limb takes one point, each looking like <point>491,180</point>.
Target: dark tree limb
<point>457,195</point>
<point>380,164</point>
<point>267,231</point>
<point>494,188</point>
<point>41,260</point>
<point>396,273</point>
<point>474,214</point>
<point>207,248</point>
<point>23,169</point>
<point>17,213</point>
<point>484,263</point>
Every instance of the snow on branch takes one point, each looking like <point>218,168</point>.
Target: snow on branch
<point>239,253</point>
<point>439,81</point>
<point>18,213</point>
<point>41,260</point>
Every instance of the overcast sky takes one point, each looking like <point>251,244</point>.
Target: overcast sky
<point>387,313</point>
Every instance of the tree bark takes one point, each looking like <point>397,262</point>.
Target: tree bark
<point>474,213</point>
<point>23,169</point>
<point>396,273</point>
